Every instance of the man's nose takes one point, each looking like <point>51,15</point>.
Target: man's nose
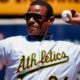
<point>31,19</point>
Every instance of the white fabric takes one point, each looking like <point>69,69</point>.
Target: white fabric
<point>39,60</point>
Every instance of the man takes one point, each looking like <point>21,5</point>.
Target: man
<point>37,56</point>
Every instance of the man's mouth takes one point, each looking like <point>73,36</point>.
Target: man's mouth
<point>31,27</point>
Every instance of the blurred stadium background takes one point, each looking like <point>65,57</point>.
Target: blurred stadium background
<point>12,22</point>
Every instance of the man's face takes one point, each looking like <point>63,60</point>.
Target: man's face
<point>36,20</point>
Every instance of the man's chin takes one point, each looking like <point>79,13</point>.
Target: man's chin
<point>34,32</point>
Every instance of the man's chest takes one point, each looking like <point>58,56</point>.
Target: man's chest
<point>46,58</point>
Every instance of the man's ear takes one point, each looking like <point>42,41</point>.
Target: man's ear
<point>51,20</point>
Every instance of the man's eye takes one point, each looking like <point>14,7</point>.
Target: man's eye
<point>38,17</point>
<point>27,17</point>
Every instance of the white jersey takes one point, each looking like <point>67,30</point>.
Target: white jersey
<point>39,60</point>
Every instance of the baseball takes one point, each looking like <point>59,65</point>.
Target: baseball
<point>64,15</point>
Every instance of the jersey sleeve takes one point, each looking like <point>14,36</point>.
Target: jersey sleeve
<point>1,58</point>
<point>3,53</point>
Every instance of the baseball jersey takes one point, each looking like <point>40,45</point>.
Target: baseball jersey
<point>39,60</point>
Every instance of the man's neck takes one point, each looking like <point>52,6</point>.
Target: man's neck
<point>38,37</point>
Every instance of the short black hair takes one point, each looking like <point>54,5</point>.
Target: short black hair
<point>44,3</point>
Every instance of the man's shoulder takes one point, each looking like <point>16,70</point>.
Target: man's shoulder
<point>67,43</point>
<point>15,37</point>
<point>11,40</point>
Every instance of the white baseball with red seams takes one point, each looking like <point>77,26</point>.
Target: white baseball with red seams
<point>65,14</point>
